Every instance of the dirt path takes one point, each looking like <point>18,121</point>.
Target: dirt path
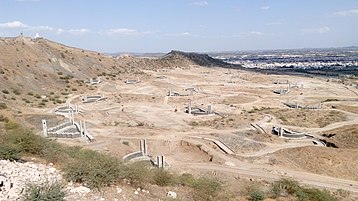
<point>275,174</point>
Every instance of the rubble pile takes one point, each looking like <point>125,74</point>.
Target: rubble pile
<point>14,177</point>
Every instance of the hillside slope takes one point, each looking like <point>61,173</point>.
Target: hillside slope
<point>35,68</point>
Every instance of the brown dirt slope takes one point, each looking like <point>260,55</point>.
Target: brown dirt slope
<point>343,137</point>
<point>341,163</point>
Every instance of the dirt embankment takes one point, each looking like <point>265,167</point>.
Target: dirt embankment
<point>341,163</point>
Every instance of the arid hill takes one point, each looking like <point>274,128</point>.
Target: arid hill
<point>40,67</point>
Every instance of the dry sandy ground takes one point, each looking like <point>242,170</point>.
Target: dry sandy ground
<point>143,111</point>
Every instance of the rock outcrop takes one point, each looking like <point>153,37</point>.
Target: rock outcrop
<point>14,177</point>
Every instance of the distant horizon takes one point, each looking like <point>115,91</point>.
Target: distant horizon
<point>205,52</point>
<point>187,25</point>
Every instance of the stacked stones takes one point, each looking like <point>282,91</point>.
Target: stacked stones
<point>15,176</point>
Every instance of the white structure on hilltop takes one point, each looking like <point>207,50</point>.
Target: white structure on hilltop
<point>37,36</point>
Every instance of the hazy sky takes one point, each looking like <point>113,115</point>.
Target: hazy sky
<point>188,25</point>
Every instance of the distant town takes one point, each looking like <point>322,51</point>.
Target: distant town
<point>332,58</point>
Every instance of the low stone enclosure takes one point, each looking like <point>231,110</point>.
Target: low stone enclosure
<point>280,82</point>
<point>143,155</point>
<point>172,93</point>
<point>68,108</point>
<point>69,129</point>
<point>93,98</point>
<point>306,107</point>
<point>93,81</point>
<point>287,90</point>
<point>281,91</point>
<point>128,81</point>
<point>198,110</point>
<point>285,133</point>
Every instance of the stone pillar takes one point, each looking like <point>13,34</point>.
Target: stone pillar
<point>141,146</point>
<point>84,128</point>
<point>72,117</point>
<point>209,109</point>
<point>162,161</point>
<point>280,131</point>
<point>159,161</point>
<point>44,127</point>
<point>82,132</point>
<point>145,147</point>
<point>189,107</point>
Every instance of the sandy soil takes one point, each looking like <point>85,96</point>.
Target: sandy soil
<point>143,111</point>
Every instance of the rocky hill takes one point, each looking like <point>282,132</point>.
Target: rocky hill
<point>35,68</point>
<point>196,59</point>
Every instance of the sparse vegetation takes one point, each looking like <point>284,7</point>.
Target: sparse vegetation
<point>194,123</point>
<point>330,100</point>
<point>96,170</point>
<point>10,152</point>
<point>3,106</point>
<point>257,195</point>
<point>285,187</point>
<point>5,91</point>
<point>93,169</point>
<point>282,118</point>
<point>44,192</point>
<point>206,188</point>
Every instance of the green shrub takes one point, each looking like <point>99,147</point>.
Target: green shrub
<point>60,154</point>
<point>162,177</point>
<point>4,118</point>
<point>10,125</point>
<point>3,106</point>
<point>93,169</point>
<point>16,91</point>
<point>317,195</point>
<point>5,91</point>
<point>194,123</point>
<point>44,192</point>
<point>186,179</point>
<point>137,173</point>
<point>288,186</point>
<point>10,152</point>
<point>301,195</point>
<point>257,195</point>
<point>206,188</point>
<point>29,143</point>
<point>125,143</point>
<point>330,100</point>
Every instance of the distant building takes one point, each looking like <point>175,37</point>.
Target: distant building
<point>37,36</point>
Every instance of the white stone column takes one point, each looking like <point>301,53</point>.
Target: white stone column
<point>162,161</point>
<point>189,107</point>
<point>209,109</point>
<point>159,161</point>
<point>44,127</point>
<point>145,147</point>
